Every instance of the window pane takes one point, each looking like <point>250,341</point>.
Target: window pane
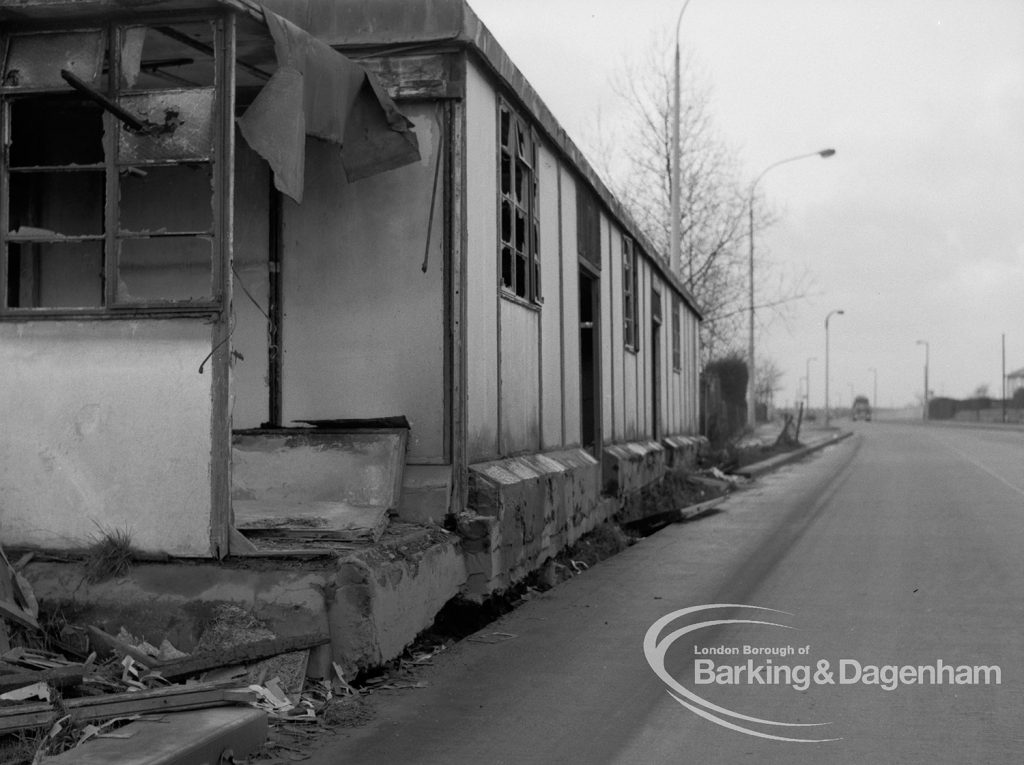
<point>180,126</point>
<point>165,268</point>
<point>40,136</point>
<point>51,204</point>
<point>166,199</point>
<point>520,231</point>
<point>35,61</point>
<point>506,174</point>
<point>507,266</point>
<point>505,125</point>
<point>168,56</point>
<point>506,222</point>
<point>521,276</point>
<point>55,275</point>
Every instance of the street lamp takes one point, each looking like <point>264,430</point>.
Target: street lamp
<point>824,154</point>
<point>808,365</point>
<point>675,256</point>
<point>924,414</point>
<point>874,395</point>
<point>829,316</point>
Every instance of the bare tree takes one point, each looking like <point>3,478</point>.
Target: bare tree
<point>636,163</point>
<point>767,381</point>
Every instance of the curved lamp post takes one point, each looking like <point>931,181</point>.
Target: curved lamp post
<point>924,414</point>
<point>675,258</point>
<point>824,154</point>
<point>829,316</point>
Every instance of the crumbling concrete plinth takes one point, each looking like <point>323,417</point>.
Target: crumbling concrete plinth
<point>370,602</point>
<point>523,511</point>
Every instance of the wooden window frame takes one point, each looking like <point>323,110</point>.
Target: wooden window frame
<point>115,163</point>
<point>518,254</point>
<point>677,347</point>
<point>630,309</point>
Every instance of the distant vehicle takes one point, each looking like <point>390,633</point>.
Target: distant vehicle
<point>862,408</point>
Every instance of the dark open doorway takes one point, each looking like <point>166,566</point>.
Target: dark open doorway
<point>590,362</point>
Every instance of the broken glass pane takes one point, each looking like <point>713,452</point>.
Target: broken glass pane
<point>506,266</point>
<point>506,222</point>
<point>168,56</point>
<point>521,276</point>
<point>55,274</point>
<point>505,126</point>
<point>166,199</point>
<point>163,268</point>
<point>179,125</point>
<point>50,205</point>
<point>55,130</point>
<point>35,61</point>
<point>506,174</point>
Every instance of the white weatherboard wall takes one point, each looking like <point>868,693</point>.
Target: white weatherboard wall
<point>364,326</point>
<point>551,316</point>
<point>481,268</point>
<point>106,427</point>
<point>571,311</point>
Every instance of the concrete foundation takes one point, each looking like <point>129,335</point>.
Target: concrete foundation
<point>371,600</point>
<point>523,511</point>
<point>371,603</point>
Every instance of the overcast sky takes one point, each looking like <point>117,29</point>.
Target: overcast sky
<point>915,228</point>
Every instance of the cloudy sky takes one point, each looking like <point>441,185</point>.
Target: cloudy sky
<point>915,228</point>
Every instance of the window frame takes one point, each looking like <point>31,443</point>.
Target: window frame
<point>630,308</point>
<point>519,129</point>
<point>677,335</point>
<point>114,234</point>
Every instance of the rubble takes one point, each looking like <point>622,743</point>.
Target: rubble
<point>59,693</point>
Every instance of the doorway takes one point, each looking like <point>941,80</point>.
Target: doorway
<point>655,364</point>
<point>590,361</point>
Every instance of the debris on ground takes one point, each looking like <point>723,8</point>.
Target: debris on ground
<point>64,685</point>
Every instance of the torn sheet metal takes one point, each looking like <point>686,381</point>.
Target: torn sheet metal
<point>319,92</point>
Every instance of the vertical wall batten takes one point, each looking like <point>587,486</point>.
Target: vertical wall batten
<point>458,233</point>
<point>220,500</point>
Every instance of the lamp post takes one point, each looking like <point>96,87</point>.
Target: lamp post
<point>874,394</point>
<point>927,350</point>
<point>808,378</point>
<point>675,256</point>
<point>829,316</point>
<point>824,154</point>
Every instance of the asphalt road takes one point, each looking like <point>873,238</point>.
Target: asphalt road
<point>900,547</point>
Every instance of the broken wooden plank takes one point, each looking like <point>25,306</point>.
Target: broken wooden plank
<point>242,654</point>
<point>104,644</point>
<point>58,677</point>
<point>173,699</point>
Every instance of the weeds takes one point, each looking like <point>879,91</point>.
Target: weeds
<point>110,556</point>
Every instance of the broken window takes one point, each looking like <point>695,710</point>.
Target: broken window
<point>517,199</point>
<point>108,174</point>
<point>629,305</point>
<point>677,354</point>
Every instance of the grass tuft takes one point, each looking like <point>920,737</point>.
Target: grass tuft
<point>110,556</point>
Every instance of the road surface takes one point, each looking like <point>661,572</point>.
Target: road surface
<point>900,547</point>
